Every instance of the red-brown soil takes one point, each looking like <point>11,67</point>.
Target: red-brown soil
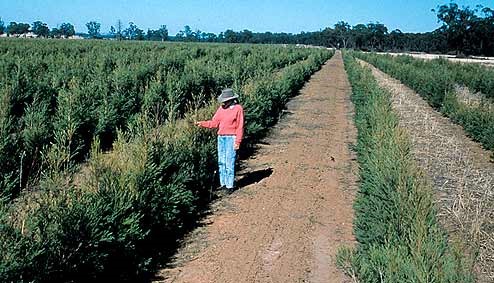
<point>294,207</point>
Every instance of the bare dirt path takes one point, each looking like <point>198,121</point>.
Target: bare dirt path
<point>295,209</point>
<point>459,168</point>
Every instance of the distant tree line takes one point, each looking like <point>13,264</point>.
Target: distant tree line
<point>39,28</point>
<point>464,31</point>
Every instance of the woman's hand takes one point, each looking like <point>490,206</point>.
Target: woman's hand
<point>197,123</point>
<point>236,146</point>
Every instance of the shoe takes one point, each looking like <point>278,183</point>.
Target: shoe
<point>231,190</point>
<point>220,188</point>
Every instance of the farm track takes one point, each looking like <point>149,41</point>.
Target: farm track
<point>460,169</point>
<point>294,206</point>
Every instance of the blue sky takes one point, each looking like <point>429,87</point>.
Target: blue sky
<point>217,16</point>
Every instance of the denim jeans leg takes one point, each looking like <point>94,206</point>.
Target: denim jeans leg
<point>222,160</point>
<point>230,162</point>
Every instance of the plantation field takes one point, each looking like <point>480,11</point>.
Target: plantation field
<point>102,166</point>
<point>437,81</point>
<point>104,172</point>
<point>293,210</point>
<point>399,236</point>
<point>57,97</point>
<point>244,141</point>
<point>459,168</point>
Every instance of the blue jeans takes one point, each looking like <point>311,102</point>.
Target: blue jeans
<point>226,160</point>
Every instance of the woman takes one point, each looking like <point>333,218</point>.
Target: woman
<point>229,119</point>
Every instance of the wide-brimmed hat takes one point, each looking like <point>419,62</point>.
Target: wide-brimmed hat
<point>226,94</point>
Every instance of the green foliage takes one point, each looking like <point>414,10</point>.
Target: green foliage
<point>2,26</point>
<point>399,238</point>
<point>67,29</point>
<point>40,29</point>
<point>17,28</point>
<point>9,150</point>
<point>110,220</point>
<point>467,32</point>
<point>435,80</point>
<point>93,29</point>
<point>160,34</point>
<point>478,121</point>
<point>61,95</point>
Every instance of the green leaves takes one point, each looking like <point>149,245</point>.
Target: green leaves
<point>435,81</point>
<point>149,172</point>
<point>399,238</point>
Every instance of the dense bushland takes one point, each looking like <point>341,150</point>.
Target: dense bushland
<point>57,96</point>
<point>399,238</point>
<point>435,81</point>
<point>112,219</point>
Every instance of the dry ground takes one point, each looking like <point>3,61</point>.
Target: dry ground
<point>294,208</point>
<point>460,169</point>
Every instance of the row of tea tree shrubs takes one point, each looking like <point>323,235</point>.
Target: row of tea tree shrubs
<point>476,77</point>
<point>113,220</point>
<point>435,81</point>
<point>56,96</point>
<point>399,238</point>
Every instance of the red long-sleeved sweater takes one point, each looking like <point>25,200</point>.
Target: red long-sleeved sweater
<point>229,121</point>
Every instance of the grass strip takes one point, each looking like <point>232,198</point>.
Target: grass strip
<point>399,238</point>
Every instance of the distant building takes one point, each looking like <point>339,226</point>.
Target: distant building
<point>75,37</point>
<point>33,35</point>
<point>27,35</point>
<point>23,35</point>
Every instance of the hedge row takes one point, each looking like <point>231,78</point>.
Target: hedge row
<point>125,208</point>
<point>435,81</point>
<point>56,96</point>
<point>399,238</point>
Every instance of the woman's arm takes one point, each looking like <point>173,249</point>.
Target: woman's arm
<point>213,123</point>
<point>239,132</point>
